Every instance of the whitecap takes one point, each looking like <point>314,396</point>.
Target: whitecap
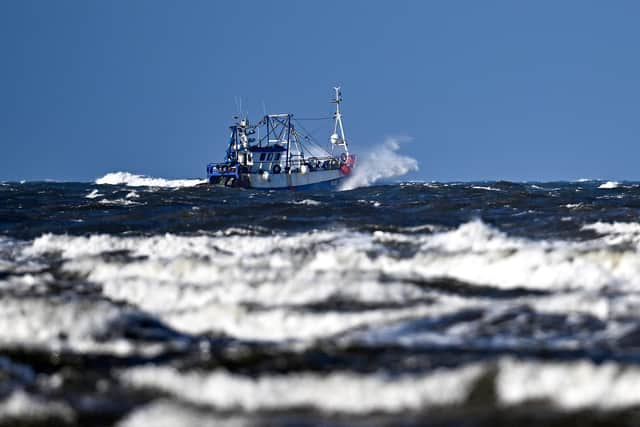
<point>93,194</point>
<point>164,412</point>
<point>568,385</point>
<point>631,228</point>
<point>307,202</point>
<point>22,406</point>
<point>132,180</point>
<point>571,385</point>
<point>617,233</point>
<point>119,202</point>
<point>475,253</point>
<point>609,185</point>
<point>180,284</point>
<point>334,392</point>
<point>478,187</point>
<point>429,228</point>
<point>64,324</point>
<point>374,203</point>
<point>433,185</point>
<point>187,281</point>
<point>537,187</point>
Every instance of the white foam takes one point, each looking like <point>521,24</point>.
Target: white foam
<point>420,228</point>
<point>66,323</point>
<point>119,202</point>
<point>432,184</point>
<point>476,253</point>
<point>382,162</point>
<point>93,194</point>
<point>132,180</point>
<point>473,236</point>
<point>203,283</point>
<point>478,187</point>
<point>188,284</point>
<point>38,320</point>
<point>617,233</point>
<point>335,392</point>
<point>167,413</point>
<point>609,185</point>
<point>25,406</point>
<point>307,202</point>
<point>632,228</point>
<point>374,203</point>
<point>197,297</point>
<point>569,385</point>
<point>537,187</point>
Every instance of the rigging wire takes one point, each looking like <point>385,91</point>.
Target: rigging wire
<point>309,137</point>
<point>314,118</point>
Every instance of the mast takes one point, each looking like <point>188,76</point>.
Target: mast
<point>288,161</point>
<point>337,126</point>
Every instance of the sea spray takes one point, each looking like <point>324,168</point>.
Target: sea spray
<point>382,162</point>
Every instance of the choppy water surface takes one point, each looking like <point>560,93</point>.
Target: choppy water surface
<point>162,303</point>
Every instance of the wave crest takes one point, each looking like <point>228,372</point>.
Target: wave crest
<point>609,185</point>
<point>133,180</point>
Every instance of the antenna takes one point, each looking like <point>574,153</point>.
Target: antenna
<point>238,103</point>
<point>338,97</point>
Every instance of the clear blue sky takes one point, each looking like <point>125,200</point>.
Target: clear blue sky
<point>536,90</point>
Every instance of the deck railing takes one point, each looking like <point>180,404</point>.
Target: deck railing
<point>295,165</point>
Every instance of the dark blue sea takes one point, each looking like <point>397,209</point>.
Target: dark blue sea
<point>134,301</point>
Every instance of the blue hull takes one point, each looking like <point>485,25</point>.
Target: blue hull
<point>332,185</point>
<point>325,180</point>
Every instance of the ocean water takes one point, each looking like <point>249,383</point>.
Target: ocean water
<point>136,301</point>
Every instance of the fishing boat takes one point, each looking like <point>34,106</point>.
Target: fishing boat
<point>277,153</point>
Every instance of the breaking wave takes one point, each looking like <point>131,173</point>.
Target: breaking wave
<point>609,185</point>
<point>340,392</point>
<point>569,385</point>
<point>132,180</point>
<point>187,281</point>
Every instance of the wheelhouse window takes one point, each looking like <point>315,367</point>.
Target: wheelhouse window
<point>262,156</point>
<point>270,156</point>
<point>277,157</point>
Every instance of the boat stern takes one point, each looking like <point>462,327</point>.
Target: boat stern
<point>224,174</point>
